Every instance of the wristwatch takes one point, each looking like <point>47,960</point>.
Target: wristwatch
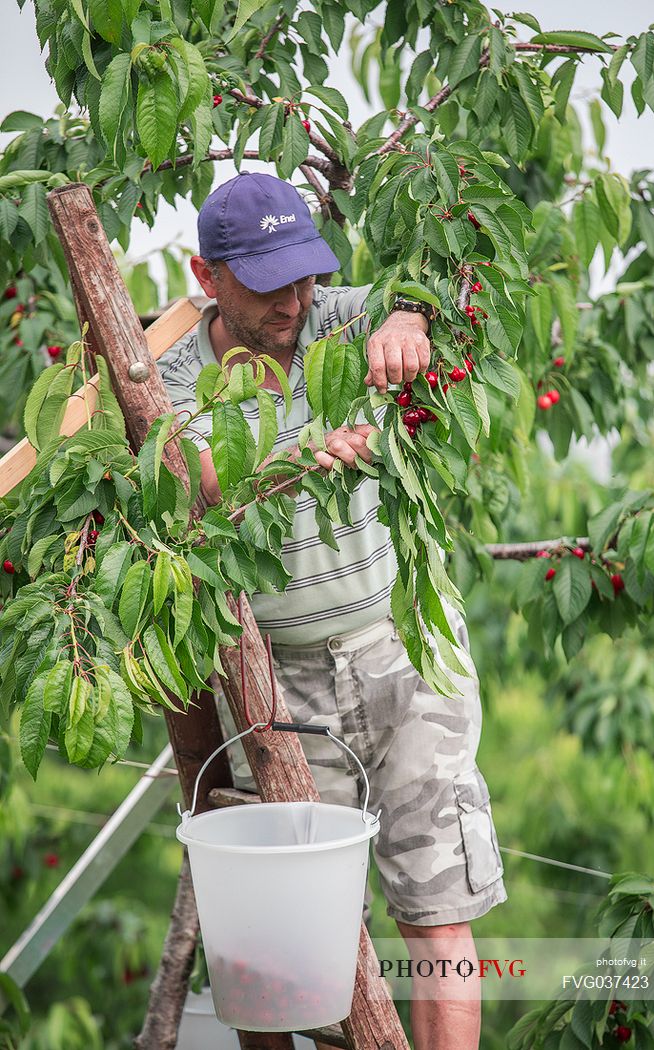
<point>414,306</point>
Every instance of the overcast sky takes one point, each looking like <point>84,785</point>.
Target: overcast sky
<point>24,84</point>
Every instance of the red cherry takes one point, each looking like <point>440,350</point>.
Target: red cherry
<point>17,872</point>
<point>550,574</point>
<point>217,99</point>
<point>544,402</point>
<point>139,205</point>
<point>618,582</point>
<point>99,518</point>
<point>92,537</point>
<point>21,308</point>
<point>18,342</point>
<point>128,976</point>
<point>554,396</point>
<point>543,554</point>
<point>306,124</point>
<point>432,378</point>
<point>424,414</point>
<point>8,566</point>
<point>558,362</point>
<point>457,375</point>
<point>470,310</point>
<point>483,263</point>
<point>51,860</point>
<point>470,364</point>
<point>411,418</point>
<point>54,351</point>
<point>462,170</point>
<point>579,552</point>
<point>404,399</point>
<point>411,430</point>
<point>11,292</point>
<point>623,1033</point>
<point>477,287</point>
<point>446,387</point>
<point>471,218</point>
<point>431,416</point>
<point>614,1007</point>
<point>475,321</point>
<point>408,386</point>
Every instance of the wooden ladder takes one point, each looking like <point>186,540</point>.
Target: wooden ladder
<point>278,763</point>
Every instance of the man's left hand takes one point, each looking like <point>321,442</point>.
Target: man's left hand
<point>398,350</point>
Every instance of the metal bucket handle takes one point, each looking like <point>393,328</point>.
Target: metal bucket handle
<point>287,727</point>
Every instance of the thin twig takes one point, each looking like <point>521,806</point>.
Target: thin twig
<point>287,483</point>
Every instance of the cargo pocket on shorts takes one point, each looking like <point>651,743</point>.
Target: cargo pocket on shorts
<point>483,858</point>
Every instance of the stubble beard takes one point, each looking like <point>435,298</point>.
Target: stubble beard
<point>260,338</point>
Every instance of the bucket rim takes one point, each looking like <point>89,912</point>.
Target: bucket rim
<point>367,832</point>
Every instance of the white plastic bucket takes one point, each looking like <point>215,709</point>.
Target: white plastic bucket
<point>279,889</point>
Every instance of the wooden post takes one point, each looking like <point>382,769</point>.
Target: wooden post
<point>278,763</point>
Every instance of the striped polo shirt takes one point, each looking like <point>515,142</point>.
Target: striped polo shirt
<point>331,592</point>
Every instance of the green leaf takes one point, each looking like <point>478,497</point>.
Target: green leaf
<point>500,374</point>
<point>232,445</point>
<point>183,600</point>
<point>58,687</point>
<point>572,588</point>
<point>332,98</point>
<point>106,17</point>
<point>481,404</point>
<point>164,662</point>
<point>246,8</point>
<point>267,425</point>
<point>540,310</point>
<point>79,735</point>
<point>121,709</point>
<point>156,116</point>
<point>21,120</point>
<point>134,596</point>
<point>334,373</point>
<point>504,330</point>
<point>614,199</point>
<point>573,38</point>
<point>465,413</point>
<point>114,95</point>
<point>8,218</point>
<point>295,146</point>
<point>465,59</point>
<point>198,76</point>
<point>586,221</point>
<point>46,404</point>
<point>272,130</point>
<point>34,725</point>
<point>160,580</point>
<point>34,210</point>
<point>113,571</point>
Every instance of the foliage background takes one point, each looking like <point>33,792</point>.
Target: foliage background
<point>588,792</point>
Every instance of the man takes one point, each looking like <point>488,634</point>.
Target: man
<point>337,656</point>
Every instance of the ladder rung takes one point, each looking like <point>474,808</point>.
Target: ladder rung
<point>332,1035</point>
<point>220,797</point>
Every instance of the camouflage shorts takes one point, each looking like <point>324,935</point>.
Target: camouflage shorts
<point>437,851</point>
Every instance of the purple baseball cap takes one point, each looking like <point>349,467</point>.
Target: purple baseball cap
<point>260,226</point>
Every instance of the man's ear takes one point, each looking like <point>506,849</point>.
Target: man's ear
<point>204,275</point>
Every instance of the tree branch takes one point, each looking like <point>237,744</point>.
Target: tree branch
<point>524,551</point>
<point>318,163</point>
<point>275,27</point>
<point>316,140</point>
<point>442,96</point>
<point>168,991</point>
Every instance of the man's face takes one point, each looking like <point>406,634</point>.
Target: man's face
<point>268,322</point>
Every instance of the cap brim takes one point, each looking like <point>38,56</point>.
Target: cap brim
<point>281,266</point>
